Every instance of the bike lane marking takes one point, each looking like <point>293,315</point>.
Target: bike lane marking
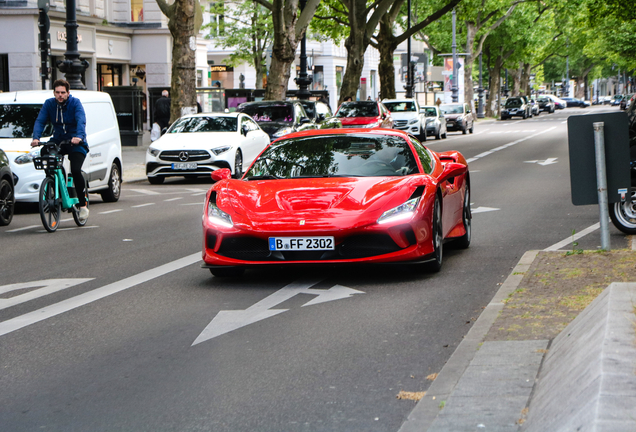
<point>27,319</point>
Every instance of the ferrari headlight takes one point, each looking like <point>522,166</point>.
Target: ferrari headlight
<point>217,151</point>
<point>27,157</point>
<point>283,131</point>
<point>218,216</point>
<point>403,211</point>
<point>413,121</point>
<point>153,151</point>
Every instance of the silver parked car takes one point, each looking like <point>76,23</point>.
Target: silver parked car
<point>435,121</point>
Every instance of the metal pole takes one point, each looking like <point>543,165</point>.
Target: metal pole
<point>480,91</point>
<point>601,182</point>
<point>72,66</point>
<point>303,80</point>
<point>454,88</point>
<point>409,70</point>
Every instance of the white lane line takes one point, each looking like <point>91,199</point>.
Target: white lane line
<point>199,193</point>
<point>189,204</point>
<point>145,191</point>
<point>72,228</point>
<point>173,199</point>
<point>481,131</point>
<point>143,205</point>
<point>564,121</point>
<point>34,226</point>
<point>575,237</point>
<point>25,320</point>
<point>496,149</point>
<point>111,211</point>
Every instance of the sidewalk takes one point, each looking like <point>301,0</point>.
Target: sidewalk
<point>134,159</point>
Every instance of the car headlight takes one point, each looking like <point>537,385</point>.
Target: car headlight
<point>430,120</point>
<point>217,151</point>
<point>413,121</point>
<point>370,125</point>
<point>153,151</point>
<point>403,211</point>
<point>283,131</point>
<point>218,216</point>
<point>459,120</point>
<point>27,157</point>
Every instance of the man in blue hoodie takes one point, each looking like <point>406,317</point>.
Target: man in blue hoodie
<point>69,123</point>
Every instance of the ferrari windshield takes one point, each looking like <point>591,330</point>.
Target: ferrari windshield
<point>204,124</point>
<point>358,109</point>
<point>16,121</point>
<point>359,155</point>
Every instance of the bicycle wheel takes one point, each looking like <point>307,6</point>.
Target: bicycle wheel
<point>50,207</point>
<point>76,211</point>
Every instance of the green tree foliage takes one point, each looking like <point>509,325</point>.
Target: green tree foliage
<point>248,28</point>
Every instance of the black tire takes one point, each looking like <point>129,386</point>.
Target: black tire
<point>504,118</point>
<point>75,211</point>
<point>465,130</point>
<point>463,242</point>
<point>438,135</point>
<point>435,265</point>
<point>7,202</point>
<point>50,207</point>
<point>623,215</point>
<point>525,115</point>
<point>472,128</point>
<point>227,272</point>
<point>156,180</point>
<point>444,135</point>
<point>238,164</point>
<point>114,185</point>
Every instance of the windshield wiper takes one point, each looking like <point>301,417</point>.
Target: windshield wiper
<point>264,177</point>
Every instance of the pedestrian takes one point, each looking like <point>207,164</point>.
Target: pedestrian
<point>162,110</point>
<point>67,115</point>
<point>368,98</point>
<point>348,99</point>
<point>438,102</point>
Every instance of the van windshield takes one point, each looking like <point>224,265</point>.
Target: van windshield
<point>16,121</point>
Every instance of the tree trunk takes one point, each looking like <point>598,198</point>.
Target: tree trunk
<point>283,50</point>
<point>516,81</point>
<point>386,70</point>
<point>356,45</point>
<point>492,108</point>
<point>469,61</point>
<point>525,79</point>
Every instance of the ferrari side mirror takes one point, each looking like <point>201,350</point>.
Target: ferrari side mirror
<point>221,174</point>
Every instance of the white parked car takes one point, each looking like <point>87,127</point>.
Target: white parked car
<point>195,145</point>
<point>103,164</point>
<point>407,116</point>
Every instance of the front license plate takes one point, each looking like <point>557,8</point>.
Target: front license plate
<point>184,165</point>
<point>301,243</point>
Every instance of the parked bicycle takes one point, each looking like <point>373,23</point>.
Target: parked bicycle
<point>57,191</point>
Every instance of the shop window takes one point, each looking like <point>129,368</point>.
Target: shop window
<point>217,19</point>
<point>4,72</point>
<point>339,75</point>
<point>108,75</point>
<point>136,10</point>
<point>318,82</point>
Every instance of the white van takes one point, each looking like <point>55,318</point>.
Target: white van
<point>103,164</point>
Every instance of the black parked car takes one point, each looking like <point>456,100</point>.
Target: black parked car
<point>7,191</point>
<point>625,101</point>
<point>574,102</point>
<point>516,107</point>
<point>321,114</point>
<point>278,118</point>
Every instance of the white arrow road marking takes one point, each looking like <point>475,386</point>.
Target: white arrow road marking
<point>496,149</point>
<point>227,321</point>
<point>48,286</point>
<point>483,209</point>
<point>548,161</point>
<point>25,320</point>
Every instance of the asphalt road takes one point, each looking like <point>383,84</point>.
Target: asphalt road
<point>109,346</point>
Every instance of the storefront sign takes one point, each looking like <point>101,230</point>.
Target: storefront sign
<point>61,36</point>
<point>221,68</point>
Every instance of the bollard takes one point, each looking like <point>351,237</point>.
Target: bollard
<point>601,182</point>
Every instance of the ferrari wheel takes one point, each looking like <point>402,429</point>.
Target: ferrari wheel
<point>464,241</point>
<point>623,215</point>
<point>227,272</point>
<point>436,264</point>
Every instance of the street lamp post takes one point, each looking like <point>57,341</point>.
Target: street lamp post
<point>454,87</point>
<point>480,92</point>
<point>72,66</point>
<point>303,80</point>
<point>505,89</point>
<point>409,69</point>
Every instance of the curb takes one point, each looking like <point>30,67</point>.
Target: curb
<point>426,410</point>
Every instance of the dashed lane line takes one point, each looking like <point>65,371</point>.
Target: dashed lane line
<point>496,149</point>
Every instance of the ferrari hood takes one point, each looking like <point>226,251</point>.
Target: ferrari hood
<point>319,203</point>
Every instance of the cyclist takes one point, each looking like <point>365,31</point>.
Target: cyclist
<point>69,122</point>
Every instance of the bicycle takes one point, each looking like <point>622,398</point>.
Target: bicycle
<point>54,197</point>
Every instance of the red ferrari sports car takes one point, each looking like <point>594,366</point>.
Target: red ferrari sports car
<point>338,197</point>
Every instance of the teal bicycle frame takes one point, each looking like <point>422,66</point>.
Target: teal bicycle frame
<point>67,201</point>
